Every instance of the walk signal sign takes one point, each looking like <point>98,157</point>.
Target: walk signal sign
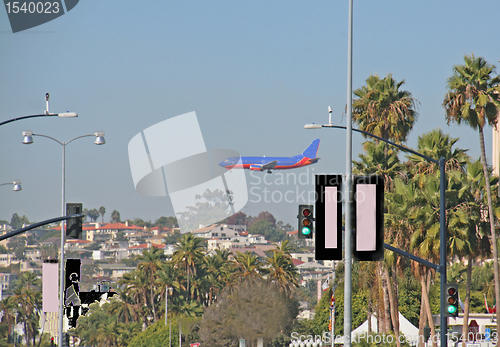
<point>452,302</point>
<point>368,218</point>
<point>328,223</point>
<point>306,221</point>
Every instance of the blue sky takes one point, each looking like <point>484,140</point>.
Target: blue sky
<point>254,72</point>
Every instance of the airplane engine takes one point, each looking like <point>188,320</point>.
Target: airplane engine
<point>255,168</point>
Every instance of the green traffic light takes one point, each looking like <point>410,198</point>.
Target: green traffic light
<point>306,231</point>
<point>452,309</point>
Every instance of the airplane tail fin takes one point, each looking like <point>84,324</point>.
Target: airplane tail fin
<point>312,150</point>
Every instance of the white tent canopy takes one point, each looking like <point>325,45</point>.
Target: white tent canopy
<point>407,329</point>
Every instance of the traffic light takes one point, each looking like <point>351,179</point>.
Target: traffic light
<point>52,341</point>
<point>451,292</point>
<point>306,221</point>
<point>74,225</point>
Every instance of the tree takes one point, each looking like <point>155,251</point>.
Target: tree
<point>188,254</point>
<point>473,98</point>
<point>384,110</point>
<point>149,263</point>
<point>115,217</point>
<point>282,272</point>
<point>237,219</point>
<point>167,222</point>
<point>17,221</point>
<point>102,211</point>
<point>253,310</point>
<point>247,267</point>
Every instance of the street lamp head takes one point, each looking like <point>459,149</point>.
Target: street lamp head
<point>99,138</point>
<point>67,115</point>
<point>17,186</point>
<point>312,126</point>
<point>27,137</point>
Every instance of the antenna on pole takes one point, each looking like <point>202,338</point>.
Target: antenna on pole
<point>47,96</point>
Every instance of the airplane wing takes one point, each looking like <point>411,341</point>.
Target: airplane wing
<point>266,166</point>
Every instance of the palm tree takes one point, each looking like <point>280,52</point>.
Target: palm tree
<point>384,110</point>
<point>115,217</point>
<point>123,308</point>
<point>473,98</point>
<point>102,211</point>
<point>149,263</point>
<point>247,267</point>
<point>282,272</point>
<point>136,286</point>
<point>189,254</point>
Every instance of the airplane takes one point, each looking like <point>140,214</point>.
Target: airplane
<point>308,157</point>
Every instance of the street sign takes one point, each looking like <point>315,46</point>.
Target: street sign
<point>196,344</point>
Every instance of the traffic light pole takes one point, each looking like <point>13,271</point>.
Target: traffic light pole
<point>348,197</point>
<point>36,225</point>
<point>442,221</point>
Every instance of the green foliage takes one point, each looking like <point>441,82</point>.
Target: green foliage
<point>157,335</point>
<point>266,228</point>
<point>17,221</point>
<point>167,222</point>
<point>409,296</point>
<point>251,310</point>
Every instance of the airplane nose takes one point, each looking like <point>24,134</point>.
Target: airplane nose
<point>223,163</point>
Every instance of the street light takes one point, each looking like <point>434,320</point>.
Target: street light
<point>17,185</point>
<point>28,139</point>
<point>45,114</point>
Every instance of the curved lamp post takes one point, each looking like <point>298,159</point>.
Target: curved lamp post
<point>99,140</point>
<point>17,185</point>
<point>46,114</point>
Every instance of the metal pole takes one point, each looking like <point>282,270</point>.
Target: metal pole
<point>347,199</point>
<point>442,251</point>
<point>170,335</point>
<point>333,310</point>
<point>63,237</point>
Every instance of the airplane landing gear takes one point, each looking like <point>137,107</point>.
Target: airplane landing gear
<point>269,171</point>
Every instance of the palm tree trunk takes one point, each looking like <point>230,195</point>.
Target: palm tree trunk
<point>392,305</point>
<point>393,296</point>
<point>386,306</point>
<point>465,327</point>
<point>369,313</point>
<point>421,321</point>
<point>425,296</point>
<point>492,225</point>
<point>153,302</point>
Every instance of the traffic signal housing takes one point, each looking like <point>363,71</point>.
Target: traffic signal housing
<point>452,302</point>
<point>306,221</point>
<point>74,227</point>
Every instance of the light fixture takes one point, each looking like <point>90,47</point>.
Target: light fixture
<point>27,137</point>
<point>17,186</point>
<point>99,138</point>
